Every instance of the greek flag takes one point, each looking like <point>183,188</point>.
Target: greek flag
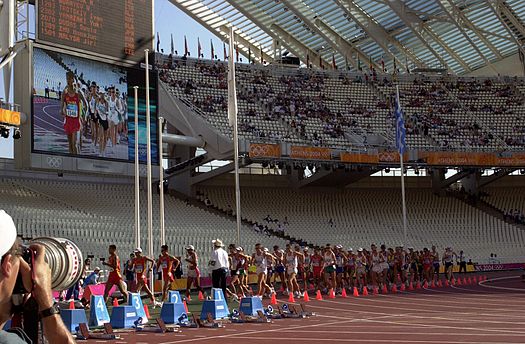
<point>400,126</point>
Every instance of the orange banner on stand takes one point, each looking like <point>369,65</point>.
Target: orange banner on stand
<point>310,153</point>
<point>360,158</point>
<point>263,150</point>
<point>475,159</point>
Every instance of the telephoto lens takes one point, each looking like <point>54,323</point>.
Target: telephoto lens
<point>65,260</point>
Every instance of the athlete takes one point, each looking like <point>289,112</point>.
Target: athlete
<point>329,268</point>
<point>305,268</point>
<point>435,263</point>
<point>360,268</point>
<point>167,263</point>
<point>448,262</point>
<point>260,258</point>
<point>340,261</point>
<point>92,99</point>
<point>102,116</point>
<point>317,268</point>
<point>113,115</point>
<point>193,274</point>
<point>350,268</point>
<point>384,264</point>
<point>376,261</point>
<point>140,266</point>
<point>427,262</point>
<point>114,278</point>
<point>291,259</point>
<point>70,109</point>
<point>279,269</point>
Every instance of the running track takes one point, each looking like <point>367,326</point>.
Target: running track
<point>490,312</point>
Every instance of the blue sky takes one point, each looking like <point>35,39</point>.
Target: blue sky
<point>168,20</point>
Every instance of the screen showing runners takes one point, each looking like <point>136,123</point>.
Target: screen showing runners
<point>81,107</point>
<point>121,29</point>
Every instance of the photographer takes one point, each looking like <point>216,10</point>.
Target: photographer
<point>37,279</point>
<point>219,264</point>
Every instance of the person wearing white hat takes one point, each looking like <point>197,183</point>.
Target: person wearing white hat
<point>219,264</point>
<point>260,258</point>
<point>36,278</point>
<point>360,268</point>
<point>141,267</point>
<point>350,268</point>
<point>193,275</point>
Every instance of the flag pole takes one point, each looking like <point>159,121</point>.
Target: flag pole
<point>148,142</point>
<point>401,151</point>
<point>232,116</point>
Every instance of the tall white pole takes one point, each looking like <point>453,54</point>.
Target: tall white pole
<point>403,200</point>
<point>161,186</point>
<point>150,197</point>
<point>137,170</point>
<point>232,114</point>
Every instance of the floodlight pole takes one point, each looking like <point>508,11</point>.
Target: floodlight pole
<point>137,170</point>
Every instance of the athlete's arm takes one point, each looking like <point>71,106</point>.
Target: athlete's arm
<point>176,263</point>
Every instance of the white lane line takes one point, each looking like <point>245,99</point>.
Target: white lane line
<point>482,283</point>
<point>361,340</point>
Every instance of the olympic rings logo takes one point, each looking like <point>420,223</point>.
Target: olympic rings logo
<point>54,162</point>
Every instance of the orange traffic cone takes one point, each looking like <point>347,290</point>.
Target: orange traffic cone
<point>384,290</point>
<point>394,289</point>
<point>71,304</point>
<point>115,302</point>
<point>433,284</point>
<point>474,280</point>
<point>273,300</point>
<point>418,285</point>
<point>465,281</point>
<point>188,298</point>
<point>469,280</point>
<point>146,310</point>
<point>343,293</point>
<point>291,299</point>
<point>458,282</point>
<point>440,284</point>
<point>306,298</point>
<point>185,306</point>
<point>356,292</point>
<point>331,295</point>
<point>403,287</point>
<point>365,291</point>
<point>425,285</point>
<point>318,295</point>
<point>411,286</point>
<point>201,296</point>
<point>447,283</point>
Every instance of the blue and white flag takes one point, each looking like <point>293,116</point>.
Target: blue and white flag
<point>400,126</point>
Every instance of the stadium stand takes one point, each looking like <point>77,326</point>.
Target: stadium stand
<point>345,109</point>
<point>358,217</point>
<point>95,215</point>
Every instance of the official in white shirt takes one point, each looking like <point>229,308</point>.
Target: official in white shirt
<point>219,264</point>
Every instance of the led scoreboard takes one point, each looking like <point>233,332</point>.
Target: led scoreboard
<point>116,28</point>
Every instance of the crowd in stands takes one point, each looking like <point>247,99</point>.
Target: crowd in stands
<point>451,112</point>
<point>515,215</point>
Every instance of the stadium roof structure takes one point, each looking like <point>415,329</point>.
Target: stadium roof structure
<point>457,35</point>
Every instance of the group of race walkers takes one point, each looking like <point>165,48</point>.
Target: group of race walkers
<point>94,112</point>
<point>298,269</point>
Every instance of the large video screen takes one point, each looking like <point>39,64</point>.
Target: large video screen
<point>85,108</point>
<point>120,29</point>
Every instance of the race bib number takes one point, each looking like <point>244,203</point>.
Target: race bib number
<point>139,269</point>
<point>71,110</point>
<point>164,265</point>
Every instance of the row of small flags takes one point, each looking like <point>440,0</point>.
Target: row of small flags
<point>199,49</point>
<point>237,55</point>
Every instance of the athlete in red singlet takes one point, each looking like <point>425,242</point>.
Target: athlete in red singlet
<point>167,263</point>
<point>114,278</point>
<point>140,265</point>
<point>317,267</point>
<point>70,109</point>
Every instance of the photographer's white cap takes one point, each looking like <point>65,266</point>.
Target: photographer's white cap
<point>138,250</point>
<point>7,232</point>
